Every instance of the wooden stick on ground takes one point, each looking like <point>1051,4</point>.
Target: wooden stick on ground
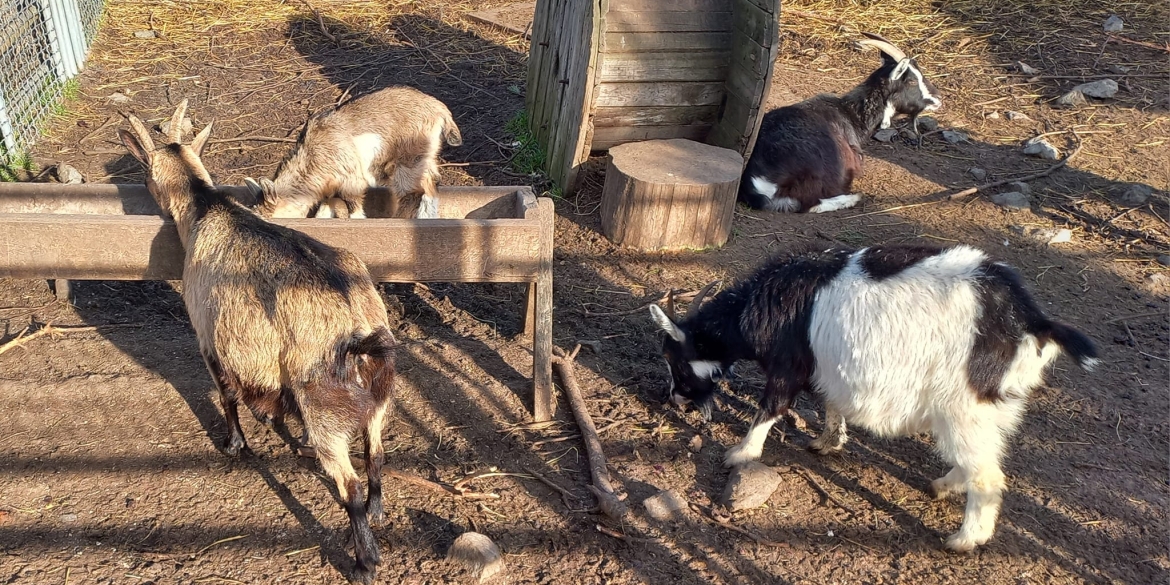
<point>611,504</point>
<point>994,184</point>
<point>49,329</point>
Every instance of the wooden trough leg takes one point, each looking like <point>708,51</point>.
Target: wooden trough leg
<point>539,319</point>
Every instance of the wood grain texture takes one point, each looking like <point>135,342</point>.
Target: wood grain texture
<point>655,116</point>
<point>644,42</point>
<point>607,138</point>
<point>647,67</point>
<point>670,194</point>
<point>671,93</point>
<point>622,20</point>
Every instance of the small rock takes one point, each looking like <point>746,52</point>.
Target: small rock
<point>885,135</point>
<point>1062,236</point>
<point>993,116</point>
<point>184,126</point>
<point>478,554</point>
<point>750,485</point>
<point>1012,200</point>
<point>954,137</point>
<point>1072,99</point>
<point>1114,24</point>
<point>1014,116</point>
<point>68,175</point>
<point>1026,69</point>
<point>1136,194</point>
<point>1118,69</point>
<point>145,34</point>
<point>1102,88</point>
<point>666,505</point>
<point>1021,186</point>
<point>69,518</point>
<point>978,173</point>
<point>928,124</point>
<point>696,444</point>
<point>1164,259</point>
<point>118,98</point>
<point>1040,147</point>
<point>1158,279</point>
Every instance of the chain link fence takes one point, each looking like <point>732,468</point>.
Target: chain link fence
<point>43,44</point>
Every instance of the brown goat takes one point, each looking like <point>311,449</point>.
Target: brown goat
<point>285,323</point>
<point>390,137</point>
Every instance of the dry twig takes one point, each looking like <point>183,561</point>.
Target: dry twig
<point>706,514</point>
<point>825,492</point>
<point>49,329</point>
<point>438,487</point>
<point>611,503</point>
<point>1033,176</point>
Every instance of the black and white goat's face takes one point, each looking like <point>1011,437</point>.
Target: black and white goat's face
<point>909,92</point>
<point>693,380</point>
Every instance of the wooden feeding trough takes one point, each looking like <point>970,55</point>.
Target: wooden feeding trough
<point>603,73</point>
<point>115,232</point>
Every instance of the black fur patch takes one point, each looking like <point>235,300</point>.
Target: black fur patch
<point>883,262</point>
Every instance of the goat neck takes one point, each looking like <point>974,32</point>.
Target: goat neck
<point>866,105</point>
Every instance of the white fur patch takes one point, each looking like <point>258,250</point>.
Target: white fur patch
<point>324,211</point>
<point>764,187</point>
<point>669,376</point>
<point>783,205</point>
<point>358,214</point>
<point>368,147</point>
<point>707,370</point>
<point>1090,363</point>
<point>935,103</point>
<point>888,115</point>
<point>752,445</point>
<point>836,203</point>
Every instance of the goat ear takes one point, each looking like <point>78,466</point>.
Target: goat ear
<point>666,324</point>
<point>200,140</point>
<point>900,70</point>
<point>136,149</point>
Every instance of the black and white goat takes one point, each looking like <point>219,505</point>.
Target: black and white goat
<point>808,154</point>
<point>285,323</point>
<point>897,340</point>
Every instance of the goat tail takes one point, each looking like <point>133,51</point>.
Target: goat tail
<point>450,130</point>
<point>370,358</point>
<point>1076,344</point>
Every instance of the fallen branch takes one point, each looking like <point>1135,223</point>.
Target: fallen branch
<point>708,515</point>
<point>825,493</point>
<point>994,184</point>
<point>321,22</point>
<point>49,329</point>
<point>611,504</point>
<point>1137,316</point>
<point>252,139</point>
<point>565,494</point>
<point>620,536</point>
<point>437,487</point>
<point>679,297</point>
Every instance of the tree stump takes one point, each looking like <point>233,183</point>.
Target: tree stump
<point>670,194</point>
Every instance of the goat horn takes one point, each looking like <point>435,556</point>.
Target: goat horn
<point>176,133</point>
<point>141,132</point>
<point>882,45</point>
<point>670,305</point>
<point>694,308</point>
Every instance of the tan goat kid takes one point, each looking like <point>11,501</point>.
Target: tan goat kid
<point>285,323</point>
<point>390,137</point>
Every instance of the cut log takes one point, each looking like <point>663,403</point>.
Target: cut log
<point>670,194</point>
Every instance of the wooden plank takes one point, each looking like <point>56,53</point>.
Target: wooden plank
<point>772,42</point>
<point>675,93</point>
<point>744,83</point>
<point>658,21</point>
<point>750,55</point>
<point>544,405</point>
<point>675,5</point>
<point>655,116</point>
<point>770,6</point>
<point>455,202</point>
<point>515,18</point>
<point>143,247</point>
<point>624,67</point>
<point>606,138</point>
<point>638,42</point>
<point>571,112</point>
<point>752,21</point>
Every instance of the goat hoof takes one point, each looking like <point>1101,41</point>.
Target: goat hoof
<point>963,543</point>
<point>236,448</point>
<point>364,575</point>
<point>939,490</point>
<point>823,451</point>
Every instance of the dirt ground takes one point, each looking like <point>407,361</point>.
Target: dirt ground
<point>109,464</point>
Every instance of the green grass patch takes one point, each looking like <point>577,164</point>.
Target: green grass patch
<point>528,157</point>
